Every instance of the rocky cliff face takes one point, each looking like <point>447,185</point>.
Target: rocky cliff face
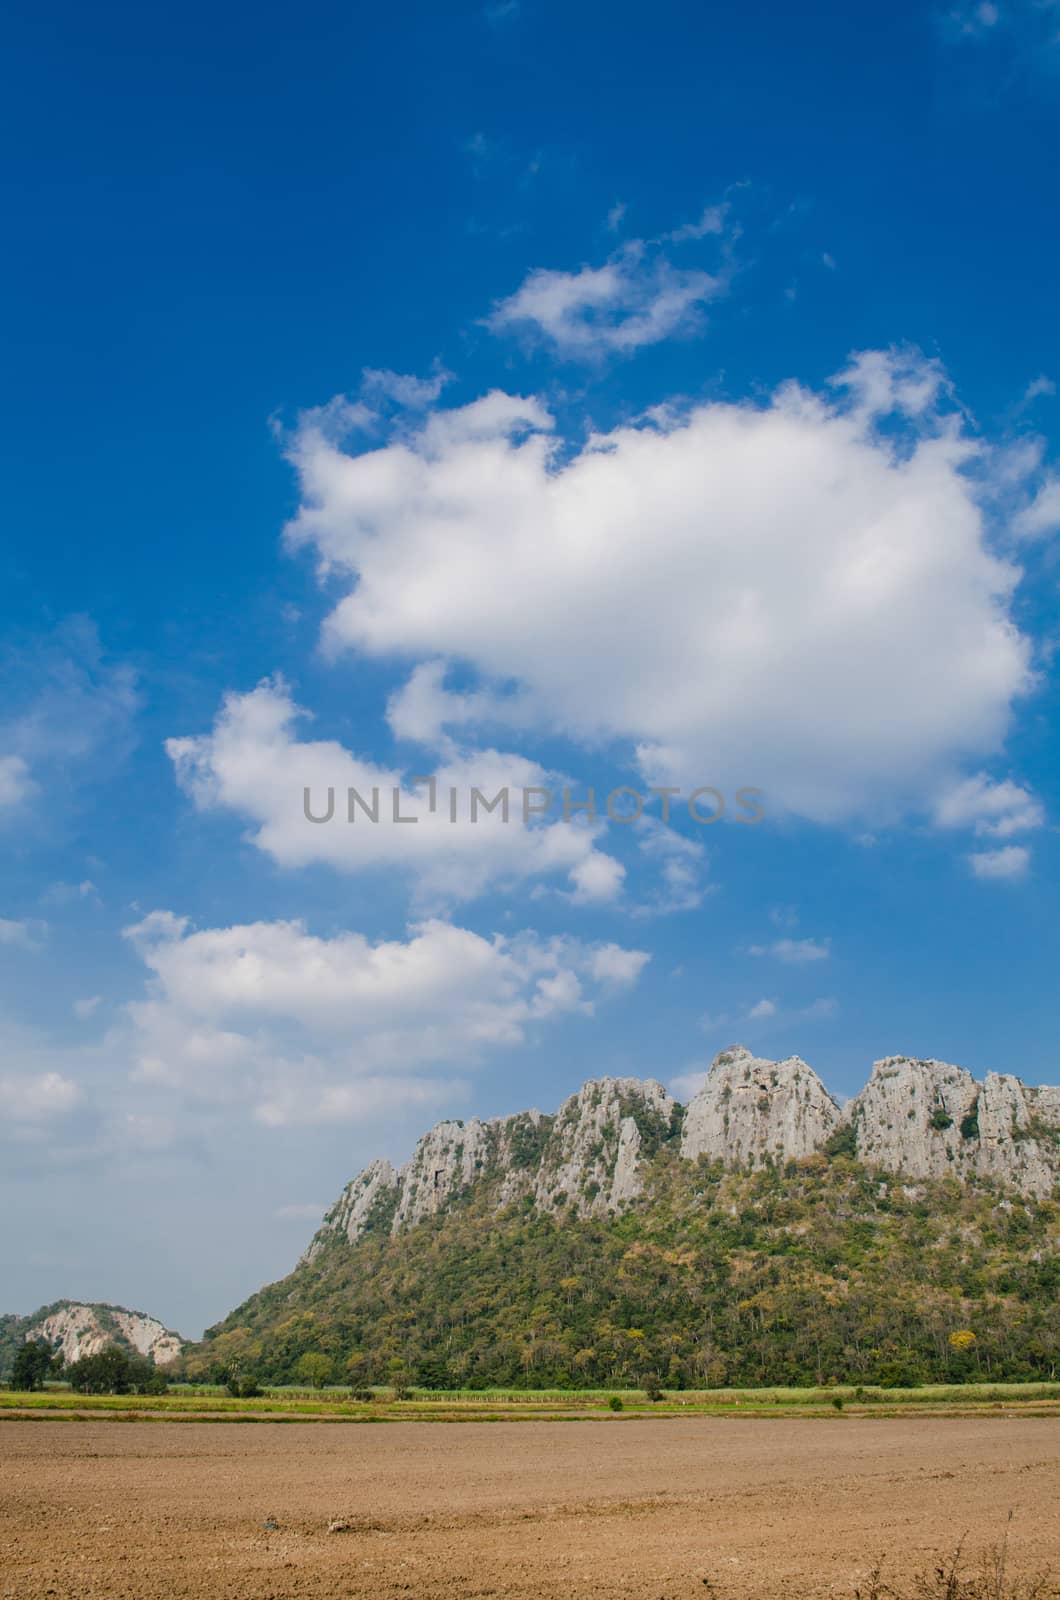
<point>929,1118</point>
<point>588,1156</point>
<point>592,1160</point>
<point>78,1329</point>
<point>750,1111</point>
<point>924,1118</point>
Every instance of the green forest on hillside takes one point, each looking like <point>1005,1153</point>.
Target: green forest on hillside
<point>820,1270</point>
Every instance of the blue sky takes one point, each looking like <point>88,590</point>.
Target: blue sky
<point>526,394</point>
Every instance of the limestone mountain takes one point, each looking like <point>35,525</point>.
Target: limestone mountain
<point>761,1234</point>
<point>74,1328</point>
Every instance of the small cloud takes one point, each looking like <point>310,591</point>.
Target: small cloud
<point>615,216</point>
<point>15,781</point>
<point>83,1009</point>
<point>687,1084</point>
<point>501,11</point>
<point>636,298</point>
<point>610,963</point>
<point>1009,862</point>
<point>60,894</point>
<point>828,261</point>
<point>307,1212</point>
<point>711,220</point>
<point>819,1010</point>
<point>794,952</point>
<point>1037,389</point>
<point>597,878</point>
<point>1042,516</point>
<point>23,935</point>
<point>412,393</point>
<point>681,863</point>
<point>710,1022</point>
<point>762,1009</point>
<point>995,809</point>
<point>784,916</point>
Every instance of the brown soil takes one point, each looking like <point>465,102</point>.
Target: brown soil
<point>656,1510</point>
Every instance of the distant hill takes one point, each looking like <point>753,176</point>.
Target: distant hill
<point>79,1329</point>
<point>761,1234</point>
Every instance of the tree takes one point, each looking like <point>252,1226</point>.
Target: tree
<point>106,1372</point>
<point>314,1368</point>
<point>34,1364</point>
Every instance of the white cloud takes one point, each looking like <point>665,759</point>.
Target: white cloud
<point>596,878</point>
<point>253,763</point>
<point>611,963</point>
<point>304,1029</point>
<point>638,297</point>
<point>762,1009</point>
<point>794,952</point>
<point>998,809</point>
<point>37,1097</point>
<point>796,595</point>
<point>1011,861</point>
<point>26,935</point>
<point>83,1009</point>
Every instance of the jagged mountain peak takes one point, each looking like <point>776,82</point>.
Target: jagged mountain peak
<point>933,1119</point>
<point>750,1110</point>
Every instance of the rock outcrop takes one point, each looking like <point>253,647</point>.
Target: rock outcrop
<point>928,1118</point>
<point>750,1111</point>
<point>923,1118</point>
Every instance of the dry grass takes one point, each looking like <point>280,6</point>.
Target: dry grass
<point>988,1577</point>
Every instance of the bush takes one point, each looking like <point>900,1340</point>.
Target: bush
<point>242,1386</point>
<point>363,1395</point>
<point>899,1374</point>
<point>615,1403</point>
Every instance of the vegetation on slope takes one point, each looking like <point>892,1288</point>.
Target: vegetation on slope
<point>823,1270</point>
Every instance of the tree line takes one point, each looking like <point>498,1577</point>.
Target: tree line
<point>111,1370</point>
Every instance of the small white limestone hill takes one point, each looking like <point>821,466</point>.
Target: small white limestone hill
<point>921,1118</point>
<point>76,1328</point>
